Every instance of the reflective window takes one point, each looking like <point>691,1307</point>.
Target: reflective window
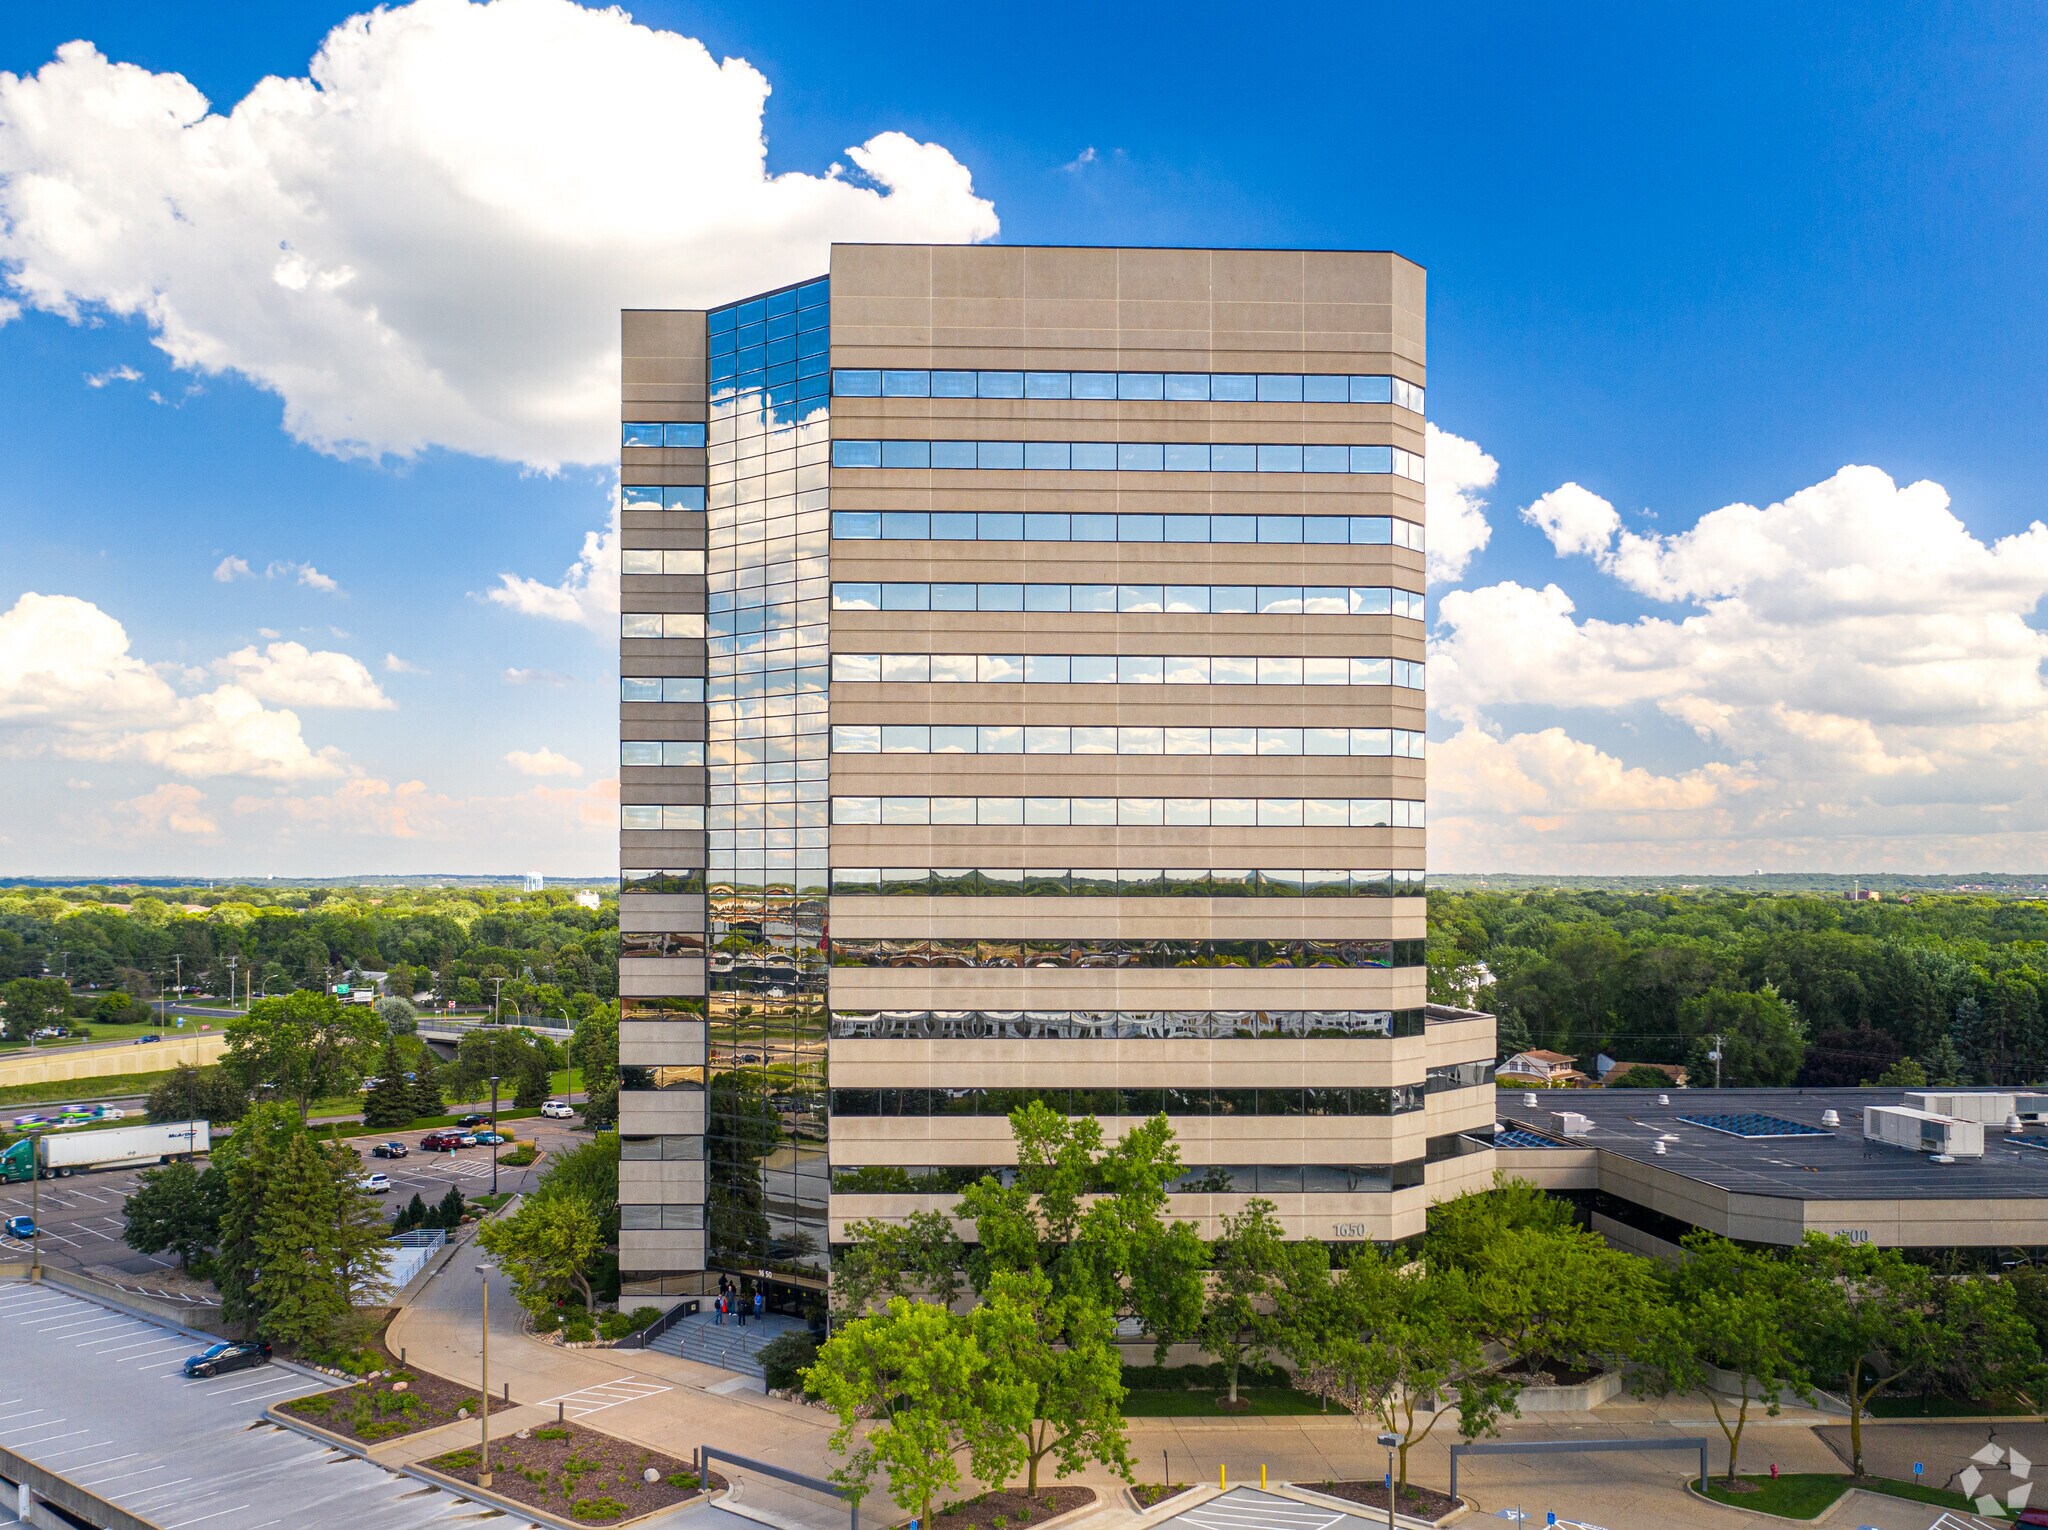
<point>648,881</point>
<point>1197,1099</point>
<point>1125,1025</point>
<point>661,688</point>
<point>647,816</point>
<point>1048,882</point>
<point>661,624</point>
<point>1194,387</point>
<point>1127,457</point>
<point>662,497</point>
<point>1055,738</point>
<point>1189,812</point>
<point>672,560</point>
<point>1055,526</point>
<point>653,752</point>
<point>669,433</point>
<point>1105,669</point>
<point>1212,600</point>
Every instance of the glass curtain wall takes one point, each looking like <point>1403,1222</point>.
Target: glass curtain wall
<point>767,754</point>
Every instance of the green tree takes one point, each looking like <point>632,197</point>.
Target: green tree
<point>176,1207</point>
<point>913,1393</point>
<point>1641,1076</point>
<point>1944,1064</point>
<point>448,1211</point>
<point>398,1015</point>
<point>28,1004</point>
<point>920,1257</point>
<point>523,1063</point>
<point>588,1172</point>
<point>1903,1074</point>
<point>546,1249</point>
<point>1737,1310</point>
<point>300,1290</point>
<point>594,1049</point>
<point>426,1087</point>
<point>1762,1039</point>
<point>412,1214</point>
<point>1060,1353</point>
<point>1238,1324</point>
<point>390,1100</point>
<point>301,1047</point>
<point>197,1094</point>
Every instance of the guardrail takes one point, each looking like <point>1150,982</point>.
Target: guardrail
<point>706,1454</point>
<point>661,1325</point>
<point>34,1483</point>
<point>461,1027</point>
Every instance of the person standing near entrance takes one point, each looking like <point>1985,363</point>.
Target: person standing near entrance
<point>741,1305</point>
<point>760,1302</point>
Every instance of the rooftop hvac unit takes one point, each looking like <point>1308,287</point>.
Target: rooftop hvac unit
<point>1921,1131</point>
<point>1663,1099</point>
<point>1529,1100</point>
<point>1986,1106</point>
<point>1570,1123</point>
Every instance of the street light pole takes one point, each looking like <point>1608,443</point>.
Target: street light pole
<point>483,1473</point>
<point>494,1134</point>
<point>1392,1442</point>
<point>35,1203</point>
<point>497,993</point>
<point>233,962</point>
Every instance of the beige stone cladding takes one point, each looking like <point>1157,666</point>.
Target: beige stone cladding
<point>663,379</point>
<point>1033,309</point>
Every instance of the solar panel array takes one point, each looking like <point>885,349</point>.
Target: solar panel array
<point>1751,1123</point>
<point>1519,1139</point>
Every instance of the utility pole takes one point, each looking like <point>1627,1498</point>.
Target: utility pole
<point>179,958</point>
<point>494,1134</point>
<point>496,994</point>
<point>35,1203</point>
<point>483,1474</point>
<point>232,962</point>
<point>1714,1057</point>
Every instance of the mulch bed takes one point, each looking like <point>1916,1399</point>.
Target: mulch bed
<point>1150,1493</point>
<point>579,1474</point>
<point>1552,1373</point>
<point>1422,1502</point>
<point>374,1411</point>
<point>1014,1506</point>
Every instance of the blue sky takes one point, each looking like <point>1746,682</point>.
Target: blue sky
<point>1678,262</point>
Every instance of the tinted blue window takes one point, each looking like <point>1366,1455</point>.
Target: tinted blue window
<point>1001,454</point>
<point>906,454</point>
<point>635,496</point>
<point>1139,528</point>
<point>722,345</point>
<point>1187,385</point>
<point>1372,390</point>
<point>1279,528</point>
<point>640,435</point>
<point>857,525</point>
<point>1233,528</point>
<point>1047,454</point>
<point>1372,459</point>
<point>1094,528</point>
<point>780,351</point>
<point>1326,459</point>
<point>1139,457</point>
<point>856,454</point>
<point>906,597</point>
<point>1232,459</point>
<point>814,366</point>
<point>1094,456</point>
<point>752,331</point>
<point>1279,459</point>
<point>952,385</point>
<point>906,384</point>
<point>1138,385</point>
<point>1001,384</point>
<point>1047,385</point>
<point>814,342</point>
<point>1326,390</point>
<point>783,327</point>
<point>780,303</point>
<point>1045,597</point>
<point>720,321</point>
<point>810,294</point>
<point>953,526</point>
<point>1233,388</point>
<point>1187,528</point>
<point>1001,526</point>
<point>859,382</point>
<point>999,597</point>
<point>1325,528</point>
<point>812,387</point>
<point>1182,457</point>
<point>953,454</point>
<point>1046,528</point>
<point>952,597</point>
<point>683,433</point>
<point>683,497</point>
<point>1095,385</point>
<point>905,525</point>
<point>724,368</point>
<point>1371,530</point>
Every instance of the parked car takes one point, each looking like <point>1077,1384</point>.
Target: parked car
<point>440,1142</point>
<point>472,1120</point>
<point>390,1150</point>
<point>377,1184</point>
<point>217,1359</point>
<point>2033,1517</point>
<point>556,1110</point>
<point>489,1138</point>
<point>144,1040</point>
<point>21,1227</point>
<point>464,1139</point>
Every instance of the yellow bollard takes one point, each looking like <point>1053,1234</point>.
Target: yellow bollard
<point>1262,1476</point>
<point>1222,1477</point>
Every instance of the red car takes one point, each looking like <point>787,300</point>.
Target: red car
<point>440,1142</point>
<point>2033,1517</point>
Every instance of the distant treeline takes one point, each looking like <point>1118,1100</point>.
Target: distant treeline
<point>1802,989</point>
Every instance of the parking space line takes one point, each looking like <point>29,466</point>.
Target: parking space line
<point>177,1524</point>
<point>67,1434</point>
<point>106,1461</point>
<point>140,1471</point>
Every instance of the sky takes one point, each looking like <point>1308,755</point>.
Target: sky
<point>1737,383</point>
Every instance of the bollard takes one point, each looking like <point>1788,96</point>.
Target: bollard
<point>1262,1476</point>
<point>508,1394</point>
<point>1222,1477</point>
<point>558,1412</point>
<point>401,1354</point>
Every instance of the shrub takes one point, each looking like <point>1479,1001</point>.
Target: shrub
<point>644,1317</point>
<point>547,1322</point>
<point>318,1403</point>
<point>597,1510</point>
<point>551,1432</point>
<point>519,1157</point>
<point>785,1358</point>
<point>579,1330</point>
<point>455,1461</point>
<point>614,1325</point>
<point>683,1480</point>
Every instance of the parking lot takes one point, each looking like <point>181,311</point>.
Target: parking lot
<point>82,1222</point>
<point>101,1398</point>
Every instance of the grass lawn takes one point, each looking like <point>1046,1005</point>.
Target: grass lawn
<point>1948,1407</point>
<point>1265,1402</point>
<point>110,1086</point>
<point>1807,1495</point>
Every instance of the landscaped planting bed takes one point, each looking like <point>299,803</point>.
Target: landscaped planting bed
<point>579,1474</point>
<point>1010,1508</point>
<point>397,1402</point>
<point>1422,1502</point>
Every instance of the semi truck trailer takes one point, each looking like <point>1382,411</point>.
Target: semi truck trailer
<point>118,1147</point>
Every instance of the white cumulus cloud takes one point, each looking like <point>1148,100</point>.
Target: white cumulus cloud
<point>122,373</point>
<point>231,568</point>
<point>586,594</point>
<point>291,674</point>
<point>542,762</point>
<point>394,665</point>
<point>1861,677</point>
<point>170,809</point>
<point>1454,510</point>
<point>426,240</point>
<point>304,573</point>
<point>69,685</point>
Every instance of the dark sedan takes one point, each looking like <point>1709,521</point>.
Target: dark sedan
<point>219,1359</point>
<point>389,1150</point>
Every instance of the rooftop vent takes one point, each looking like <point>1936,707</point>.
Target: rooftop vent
<point>1831,1118</point>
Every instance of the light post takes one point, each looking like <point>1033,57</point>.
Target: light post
<point>35,1203</point>
<point>1393,1443</point>
<point>494,1133</point>
<point>233,961</point>
<point>483,1471</point>
<point>496,994</point>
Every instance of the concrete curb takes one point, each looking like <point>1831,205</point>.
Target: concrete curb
<point>1366,1512</point>
<point>526,1510</point>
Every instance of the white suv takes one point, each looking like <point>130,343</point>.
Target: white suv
<point>557,1110</point>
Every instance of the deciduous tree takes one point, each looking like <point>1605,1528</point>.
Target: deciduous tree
<point>1061,1352</point>
<point>1238,1322</point>
<point>302,1047</point>
<point>546,1249</point>
<point>176,1207</point>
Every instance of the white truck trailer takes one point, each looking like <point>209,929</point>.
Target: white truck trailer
<point>121,1147</point>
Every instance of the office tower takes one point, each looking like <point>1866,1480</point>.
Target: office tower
<point>1024,698</point>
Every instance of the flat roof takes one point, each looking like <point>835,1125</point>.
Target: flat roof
<point>1832,1164</point>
